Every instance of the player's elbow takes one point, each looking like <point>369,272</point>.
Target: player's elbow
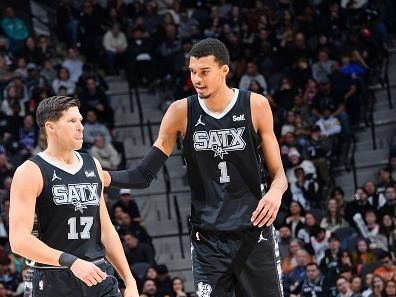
<point>17,243</point>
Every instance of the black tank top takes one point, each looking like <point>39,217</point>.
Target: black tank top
<point>223,163</point>
<point>68,207</point>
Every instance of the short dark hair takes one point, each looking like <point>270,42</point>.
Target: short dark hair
<point>211,47</point>
<point>52,108</point>
<point>313,264</point>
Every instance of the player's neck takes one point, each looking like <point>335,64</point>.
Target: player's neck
<point>219,100</point>
<point>66,157</point>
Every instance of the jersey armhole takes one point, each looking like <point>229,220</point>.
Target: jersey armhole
<point>189,113</point>
<point>35,161</point>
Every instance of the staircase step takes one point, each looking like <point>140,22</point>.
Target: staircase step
<point>365,156</point>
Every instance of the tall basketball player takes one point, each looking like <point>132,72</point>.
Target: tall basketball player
<point>226,132</point>
<point>77,243</point>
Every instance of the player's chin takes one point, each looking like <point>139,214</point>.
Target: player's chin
<point>77,144</point>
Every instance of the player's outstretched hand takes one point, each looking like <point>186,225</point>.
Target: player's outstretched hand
<point>131,291</point>
<point>267,209</point>
<point>88,272</point>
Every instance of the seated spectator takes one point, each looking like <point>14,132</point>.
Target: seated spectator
<point>178,288</point>
<point>30,52</point>
<point>27,136</point>
<point>390,288</point>
<point>8,105</point>
<point>304,190</point>
<point>137,252</point>
<point>346,259</point>
<point>333,217</point>
<point>164,280</point>
<point>9,278</point>
<point>377,201</point>
<point>45,49</point>
<point>63,80</point>
<point>93,97</point>
<point>351,68</point>
<point>250,75</point>
<point>390,204</point>
<point>115,45</point>
<point>6,168</point>
<point>290,260</point>
<point>295,218</point>
<point>387,270</point>
<point>384,180</point>
<point>387,228</point>
<point>378,286</point>
<point>126,225</point>
<point>344,288</point>
<point>48,72</point>
<point>128,205</point>
<point>15,29</point>
<point>296,161</point>
<point>92,128</point>
<point>3,290</point>
<point>41,144</point>
<point>370,218</point>
<point>359,205</point>
<point>73,64</point>
<point>151,273</point>
<point>330,264</point>
<point>149,288</point>
<point>314,284</point>
<point>356,285</point>
<point>304,233</point>
<point>369,285</point>
<point>284,239</point>
<point>363,255</point>
<point>321,70</point>
<point>293,280</point>
<point>328,124</point>
<point>105,153</point>
<point>319,242</point>
<point>284,96</point>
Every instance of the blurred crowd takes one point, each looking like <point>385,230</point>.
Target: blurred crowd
<point>315,60</point>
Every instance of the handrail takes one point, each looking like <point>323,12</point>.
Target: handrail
<point>371,119</point>
<point>179,226</point>
<point>353,163</point>
<point>386,78</point>
<point>133,86</point>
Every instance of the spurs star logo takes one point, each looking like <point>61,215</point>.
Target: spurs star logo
<point>199,122</point>
<point>204,290</point>
<point>54,176</point>
<point>261,238</point>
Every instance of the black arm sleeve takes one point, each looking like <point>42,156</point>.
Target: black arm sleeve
<point>141,176</point>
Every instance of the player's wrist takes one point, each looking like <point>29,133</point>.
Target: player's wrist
<point>67,260</point>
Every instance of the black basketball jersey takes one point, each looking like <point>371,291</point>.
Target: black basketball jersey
<point>223,163</point>
<point>68,207</point>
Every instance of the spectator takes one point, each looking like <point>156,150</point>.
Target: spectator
<point>377,287</point>
<point>294,219</point>
<point>178,288</point>
<point>3,290</point>
<point>115,45</point>
<point>290,260</point>
<point>46,51</point>
<point>377,201</point>
<point>284,96</point>
<point>149,288</point>
<point>330,263</point>
<point>370,218</point>
<point>384,180</point>
<point>63,80</point>
<point>164,280</point>
<point>369,285</point>
<point>346,259</point>
<point>319,242</point>
<point>73,64</point>
<point>314,283</point>
<point>321,70</point>
<point>284,238</point>
<point>48,72</point>
<point>390,289</point>
<point>30,52</point>
<point>128,205</point>
<point>126,225</point>
<point>105,153</point>
<point>387,228</point>
<point>359,205</point>
<point>294,279</point>
<point>93,97</point>
<point>250,75</point>
<point>6,168</point>
<point>304,234</point>
<point>387,270</point>
<point>93,128</point>
<point>344,288</point>
<point>356,285</point>
<point>151,273</point>
<point>295,160</point>
<point>11,101</point>
<point>328,124</point>
<point>15,30</point>
<point>27,136</point>
<point>333,219</point>
<point>137,252</point>
<point>304,190</point>
<point>362,255</point>
<point>390,205</point>
<point>41,144</point>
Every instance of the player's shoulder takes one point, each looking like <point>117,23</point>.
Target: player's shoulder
<point>259,101</point>
<point>179,105</point>
<point>28,169</point>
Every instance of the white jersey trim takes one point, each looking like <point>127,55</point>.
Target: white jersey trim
<point>219,115</point>
<point>59,165</point>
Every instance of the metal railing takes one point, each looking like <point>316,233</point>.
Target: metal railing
<point>385,73</point>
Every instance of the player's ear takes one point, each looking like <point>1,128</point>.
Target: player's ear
<point>225,69</point>
<point>49,126</point>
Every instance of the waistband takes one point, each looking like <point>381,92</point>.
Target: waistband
<point>36,265</point>
<point>228,234</point>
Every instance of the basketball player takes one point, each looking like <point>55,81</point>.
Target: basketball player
<point>225,132</point>
<point>75,233</point>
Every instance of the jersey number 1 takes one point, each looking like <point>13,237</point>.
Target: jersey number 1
<point>224,177</point>
<point>87,222</point>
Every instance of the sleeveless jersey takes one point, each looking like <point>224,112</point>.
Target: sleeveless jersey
<point>67,208</point>
<point>224,164</point>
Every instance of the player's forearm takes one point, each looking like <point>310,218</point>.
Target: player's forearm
<point>34,249</point>
<point>141,176</point>
<point>115,254</point>
<point>279,181</point>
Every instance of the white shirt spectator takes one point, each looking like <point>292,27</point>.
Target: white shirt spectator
<point>308,166</point>
<point>320,247</point>
<point>75,68</point>
<point>250,75</point>
<point>330,126</point>
<point>68,84</point>
<point>92,130</point>
<point>114,43</point>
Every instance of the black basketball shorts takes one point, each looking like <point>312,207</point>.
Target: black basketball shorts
<point>241,264</point>
<point>62,283</point>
